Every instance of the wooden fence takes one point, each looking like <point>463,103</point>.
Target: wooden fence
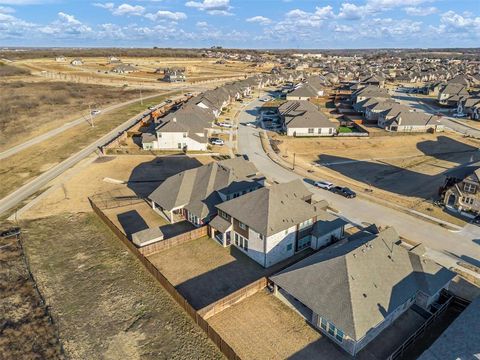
<point>235,297</point>
<point>226,349</point>
<point>173,241</point>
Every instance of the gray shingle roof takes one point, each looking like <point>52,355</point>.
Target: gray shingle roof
<point>196,189</point>
<point>273,209</point>
<point>358,284</point>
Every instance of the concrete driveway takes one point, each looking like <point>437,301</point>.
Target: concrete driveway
<point>465,245</point>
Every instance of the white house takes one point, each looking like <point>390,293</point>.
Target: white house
<point>273,223</point>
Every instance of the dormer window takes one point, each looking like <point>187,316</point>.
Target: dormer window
<point>184,135</point>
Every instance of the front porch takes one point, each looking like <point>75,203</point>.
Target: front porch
<point>221,230</point>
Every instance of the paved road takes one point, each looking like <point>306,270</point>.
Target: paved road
<point>416,102</point>
<point>12,199</point>
<point>464,244</point>
<point>71,124</point>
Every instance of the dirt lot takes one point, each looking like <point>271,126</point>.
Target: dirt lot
<point>98,69</point>
<point>263,327</point>
<point>25,328</point>
<point>406,169</point>
<point>105,303</point>
<point>205,272</point>
<point>32,108</point>
<point>143,173</point>
<point>23,166</point>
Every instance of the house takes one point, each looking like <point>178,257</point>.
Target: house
<point>60,58</point>
<point>302,118</point>
<point>458,341</point>
<point>374,110</point>
<point>470,106</point>
<point>450,93</point>
<point>184,129</point>
<point>76,62</point>
<point>193,194</point>
<point>375,80</point>
<point>124,69</point>
<point>461,191</point>
<point>352,291</point>
<point>273,223</point>
<point>369,91</point>
<point>412,121</point>
<point>174,75</point>
<point>312,87</point>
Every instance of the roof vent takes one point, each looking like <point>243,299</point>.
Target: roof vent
<point>364,295</point>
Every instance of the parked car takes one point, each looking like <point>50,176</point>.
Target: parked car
<point>217,141</point>
<point>459,115</point>
<point>344,191</point>
<point>322,184</point>
<point>10,232</point>
<point>95,112</point>
<point>225,124</point>
<point>189,94</point>
<point>168,101</point>
<point>152,108</point>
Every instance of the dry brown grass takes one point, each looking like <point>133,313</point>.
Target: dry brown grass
<point>8,70</point>
<point>106,304</point>
<point>32,108</point>
<point>31,162</point>
<point>25,328</point>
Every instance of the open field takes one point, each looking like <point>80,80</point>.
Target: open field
<point>25,328</point>
<point>263,327</point>
<point>99,70</point>
<point>32,108</point>
<point>25,165</point>
<point>405,169</point>
<point>142,174</point>
<point>8,70</point>
<point>105,303</point>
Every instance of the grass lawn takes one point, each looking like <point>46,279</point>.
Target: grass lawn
<point>344,129</point>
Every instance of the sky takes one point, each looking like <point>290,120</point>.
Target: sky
<point>260,24</point>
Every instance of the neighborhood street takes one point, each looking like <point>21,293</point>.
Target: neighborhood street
<point>416,102</point>
<point>465,244</point>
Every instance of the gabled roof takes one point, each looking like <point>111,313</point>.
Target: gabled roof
<point>358,284</point>
<point>273,209</point>
<point>303,114</point>
<point>196,189</point>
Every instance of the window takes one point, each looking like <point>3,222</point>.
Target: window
<point>331,329</point>
<point>242,225</point>
<point>310,131</point>
<point>289,247</point>
<point>305,224</point>
<point>184,135</point>
<point>339,335</point>
<point>159,135</point>
<point>261,237</point>
<point>245,244</point>
<point>286,232</point>
<point>470,188</point>
<point>237,242</point>
<point>179,145</point>
<point>323,324</point>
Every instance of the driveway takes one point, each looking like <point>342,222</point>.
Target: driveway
<point>465,245</point>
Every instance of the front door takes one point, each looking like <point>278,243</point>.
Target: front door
<point>229,237</point>
<point>451,200</point>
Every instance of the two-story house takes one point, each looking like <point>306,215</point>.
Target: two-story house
<point>273,223</point>
<point>461,191</point>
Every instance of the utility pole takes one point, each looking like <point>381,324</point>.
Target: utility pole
<point>91,116</point>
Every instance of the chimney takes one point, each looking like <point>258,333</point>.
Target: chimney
<point>399,120</point>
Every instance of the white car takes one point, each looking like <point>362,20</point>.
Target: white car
<point>225,124</point>
<point>457,115</point>
<point>322,184</point>
<point>217,141</point>
<point>251,124</point>
<point>95,112</point>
